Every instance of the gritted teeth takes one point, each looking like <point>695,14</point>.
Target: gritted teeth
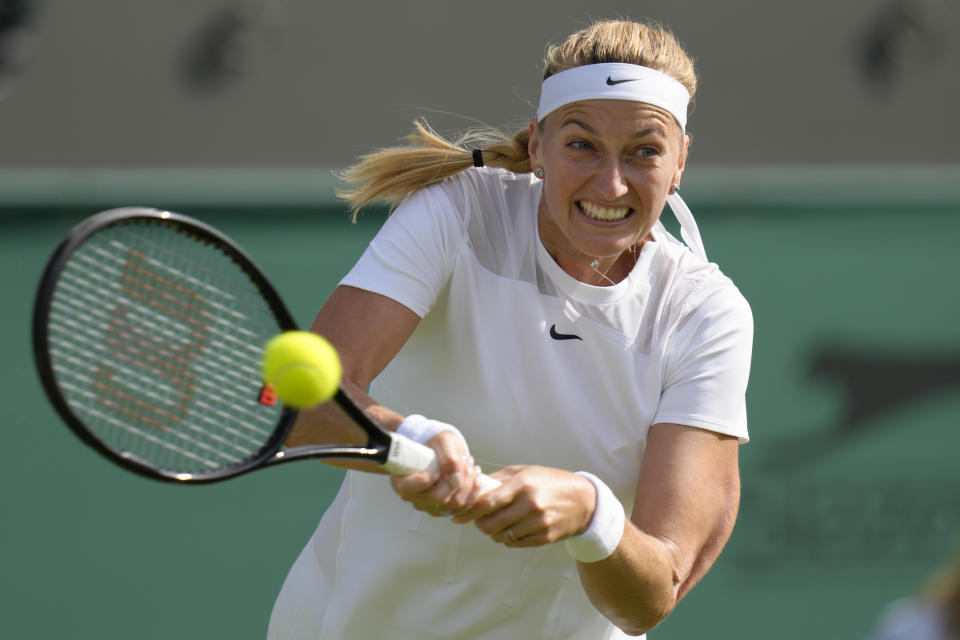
<point>602,213</point>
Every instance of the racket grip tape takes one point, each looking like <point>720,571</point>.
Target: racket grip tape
<point>407,456</point>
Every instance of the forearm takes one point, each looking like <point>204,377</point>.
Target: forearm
<point>327,424</point>
<point>636,586</point>
<point>683,513</point>
<point>367,330</point>
<point>628,574</point>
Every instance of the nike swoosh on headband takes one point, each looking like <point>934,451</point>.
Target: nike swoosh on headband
<point>562,336</point>
<point>612,82</point>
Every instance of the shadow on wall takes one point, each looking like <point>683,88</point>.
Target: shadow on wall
<point>814,503</point>
<point>872,384</point>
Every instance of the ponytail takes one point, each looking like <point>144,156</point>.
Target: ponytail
<point>389,175</point>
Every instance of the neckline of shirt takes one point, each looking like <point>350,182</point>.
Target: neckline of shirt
<point>593,294</point>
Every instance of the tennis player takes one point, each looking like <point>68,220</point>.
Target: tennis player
<point>523,310</point>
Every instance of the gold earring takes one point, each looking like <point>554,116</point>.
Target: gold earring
<point>538,172</point>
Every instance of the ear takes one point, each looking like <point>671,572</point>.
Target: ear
<point>533,145</point>
<point>682,163</point>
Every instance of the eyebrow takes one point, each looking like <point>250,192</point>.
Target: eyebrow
<point>579,123</point>
<point>642,133</point>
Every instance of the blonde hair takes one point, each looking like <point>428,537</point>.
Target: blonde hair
<point>391,174</point>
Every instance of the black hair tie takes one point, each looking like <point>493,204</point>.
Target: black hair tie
<point>478,157</point>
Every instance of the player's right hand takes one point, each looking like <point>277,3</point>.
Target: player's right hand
<point>450,488</point>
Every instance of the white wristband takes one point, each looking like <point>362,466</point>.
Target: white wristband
<point>606,527</point>
<point>421,429</point>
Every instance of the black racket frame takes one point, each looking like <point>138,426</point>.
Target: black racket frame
<point>58,261</point>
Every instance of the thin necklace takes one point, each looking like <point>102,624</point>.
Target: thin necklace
<point>595,263</point>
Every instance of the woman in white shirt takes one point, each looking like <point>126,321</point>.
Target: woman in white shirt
<point>524,312</point>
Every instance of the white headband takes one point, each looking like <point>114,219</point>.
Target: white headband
<point>614,81</point>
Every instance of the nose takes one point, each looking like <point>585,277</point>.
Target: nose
<point>610,179</point>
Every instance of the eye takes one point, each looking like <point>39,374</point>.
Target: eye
<point>647,152</point>
<point>580,145</point>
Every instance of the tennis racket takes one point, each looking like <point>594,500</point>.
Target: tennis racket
<point>148,335</point>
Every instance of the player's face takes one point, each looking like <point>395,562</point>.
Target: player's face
<point>608,167</point>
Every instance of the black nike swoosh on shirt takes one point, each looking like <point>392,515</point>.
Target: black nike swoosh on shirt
<point>562,336</point>
<point>611,81</point>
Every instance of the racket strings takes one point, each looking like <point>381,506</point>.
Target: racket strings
<point>157,338</point>
<point>211,380</point>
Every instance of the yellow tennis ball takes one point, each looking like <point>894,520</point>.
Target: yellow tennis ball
<point>302,367</point>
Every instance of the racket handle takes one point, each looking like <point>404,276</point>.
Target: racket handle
<point>406,456</point>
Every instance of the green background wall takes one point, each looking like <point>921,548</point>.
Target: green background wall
<point>851,483</point>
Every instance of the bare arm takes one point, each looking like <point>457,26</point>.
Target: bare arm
<point>367,330</point>
<point>687,499</point>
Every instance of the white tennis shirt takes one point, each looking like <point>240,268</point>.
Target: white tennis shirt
<point>534,367</point>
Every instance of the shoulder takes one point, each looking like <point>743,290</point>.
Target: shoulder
<point>493,177</point>
<point>490,186</point>
<point>496,210</point>
<point>479,190</point>
<point>694,289</point>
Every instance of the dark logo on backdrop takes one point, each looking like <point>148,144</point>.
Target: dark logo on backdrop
<point>872,384</point>
<point>562,336</point>
<point>612,82</point>
<point>809,510</point>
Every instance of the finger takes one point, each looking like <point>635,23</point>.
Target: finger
<point>412,484</point>
<point>506,473</point>
<point>471,488</point>
<point>441,494</point>
<point>513,516</point>
<point>536,539</point>
<point>436,500</point>
<point>522,533</point>
<point>483,504</point>
<point>453,462</point>
<point>434,509</point>
<point>508,538</point>
<point>456,467</point>
<point>465,500</point>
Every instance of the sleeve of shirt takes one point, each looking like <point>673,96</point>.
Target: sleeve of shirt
<point>708,365</point>
<point>411,257</point>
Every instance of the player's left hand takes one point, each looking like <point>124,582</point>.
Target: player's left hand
<point>534,506</point>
